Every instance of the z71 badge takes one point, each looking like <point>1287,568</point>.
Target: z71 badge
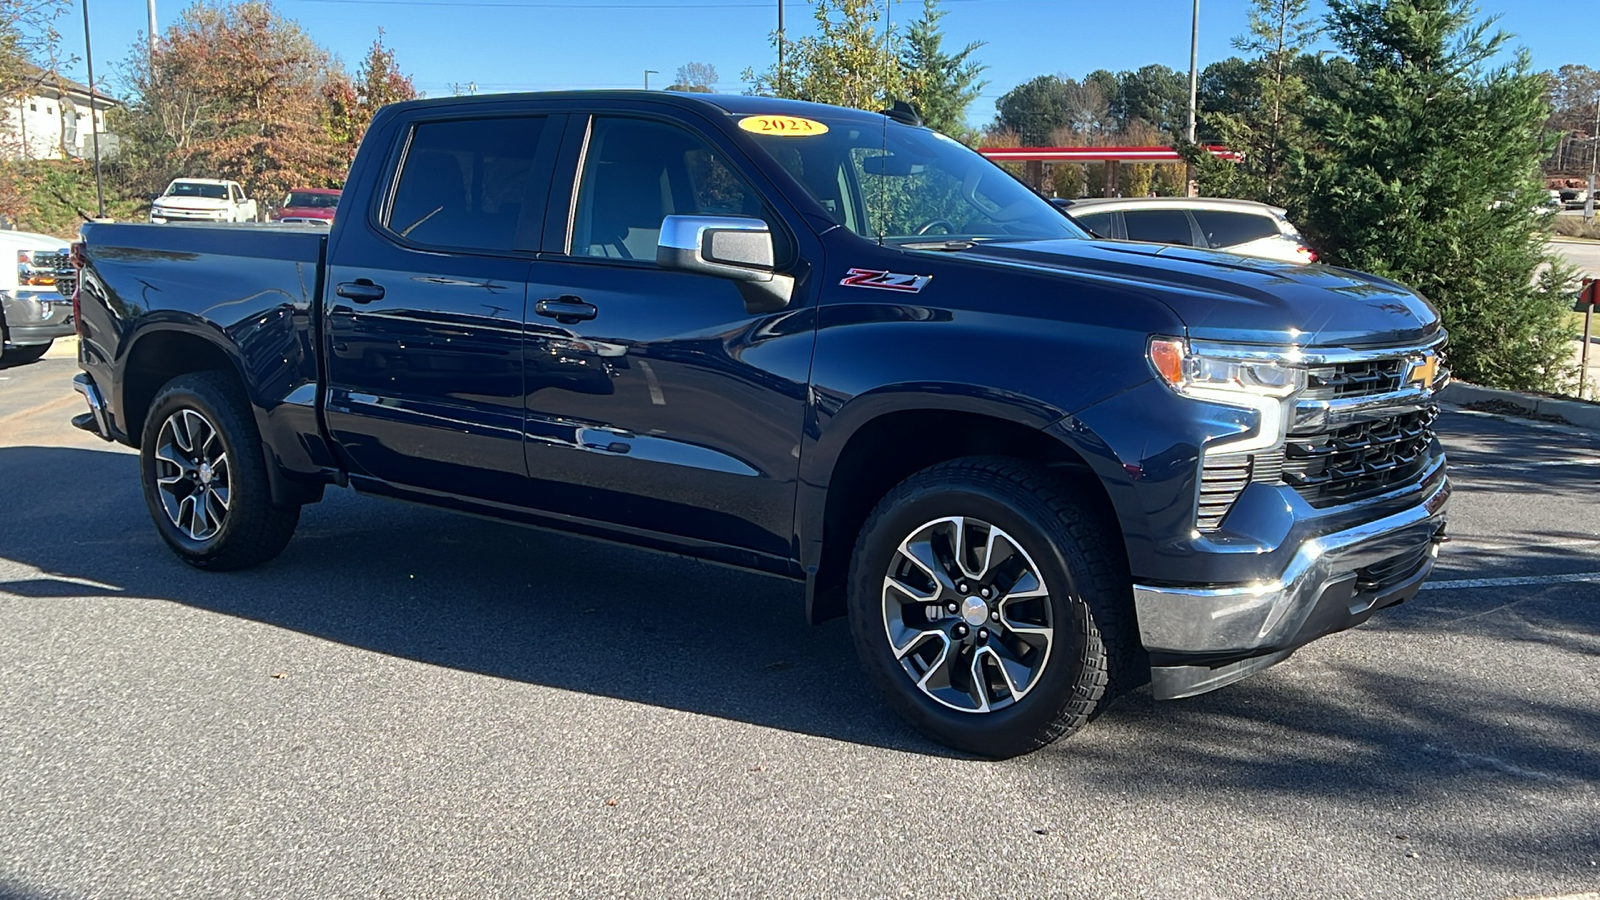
<point>885,281</point>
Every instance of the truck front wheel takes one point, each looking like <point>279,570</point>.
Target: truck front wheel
<point>990,606</point>
<point>205,476</point>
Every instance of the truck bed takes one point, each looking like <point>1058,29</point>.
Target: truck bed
<point>244,294</point>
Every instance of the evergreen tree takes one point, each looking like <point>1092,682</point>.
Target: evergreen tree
<point>851,60</point>
<point>1427,172</point>
<point>1035,109</point>
<point>1263,124</point>
<point>943,84</point>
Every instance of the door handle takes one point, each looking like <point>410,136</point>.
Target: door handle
<point>361,290</point>
<point>566,310</point>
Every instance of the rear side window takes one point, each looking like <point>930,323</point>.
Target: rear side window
<point>470,184</point>
<point>1158,226</point>
<point>1230,229</point>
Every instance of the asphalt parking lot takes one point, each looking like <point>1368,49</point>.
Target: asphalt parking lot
<point>413,704</point>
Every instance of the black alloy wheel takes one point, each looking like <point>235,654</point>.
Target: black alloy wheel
<point>204,471</point>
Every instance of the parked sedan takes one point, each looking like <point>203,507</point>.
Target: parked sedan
<point>307,206</point>
<point>1235,226</point>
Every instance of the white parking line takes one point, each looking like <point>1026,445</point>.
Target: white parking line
<point>1513,581</point>
<point>1543,463</point>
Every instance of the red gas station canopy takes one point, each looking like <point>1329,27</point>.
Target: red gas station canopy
<point>1098,154</point>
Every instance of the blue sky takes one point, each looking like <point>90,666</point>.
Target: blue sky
<point>506,45</point>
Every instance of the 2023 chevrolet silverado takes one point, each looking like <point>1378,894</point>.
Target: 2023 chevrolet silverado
<point>1034,470</point>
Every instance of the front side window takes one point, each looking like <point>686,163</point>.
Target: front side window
<point>898,183</point>
<point>1158,226</point>
<point>637,172</point>
<point>1100,223</point>
<point>468,184</point>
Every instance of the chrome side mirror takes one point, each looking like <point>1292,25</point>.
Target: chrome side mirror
<point>737,248</point>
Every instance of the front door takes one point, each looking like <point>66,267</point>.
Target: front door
<point>425,344</point>
<point>655,400</point>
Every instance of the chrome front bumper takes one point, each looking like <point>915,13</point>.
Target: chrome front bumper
<point>1235,630</point>
<point>36,317</point>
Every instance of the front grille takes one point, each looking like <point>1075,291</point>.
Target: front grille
<point>1358,460</point>
<point>1341,463</point>
<point>1356,379</point>
<point>50,260</point>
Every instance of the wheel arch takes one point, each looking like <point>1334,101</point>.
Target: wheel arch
<point>161,352</point>
<point>870,453</point>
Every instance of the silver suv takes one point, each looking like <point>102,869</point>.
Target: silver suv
<point>1235,226</point>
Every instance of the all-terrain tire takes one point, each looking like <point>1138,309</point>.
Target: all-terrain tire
<point>253,528</point>
<point>1094,653</point>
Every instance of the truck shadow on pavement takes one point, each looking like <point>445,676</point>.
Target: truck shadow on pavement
<point>562,612</point>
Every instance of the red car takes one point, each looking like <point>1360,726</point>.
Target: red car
<point>308,206</point>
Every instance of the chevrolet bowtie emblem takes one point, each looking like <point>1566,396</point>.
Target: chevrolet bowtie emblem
<point>1423,372</point>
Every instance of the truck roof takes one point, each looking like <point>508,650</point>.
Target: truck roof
<point>727,104</point>
<point>201,181</point>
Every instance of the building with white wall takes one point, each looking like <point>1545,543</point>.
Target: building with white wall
<point>52,121</point>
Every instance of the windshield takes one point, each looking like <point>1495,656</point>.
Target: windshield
<point>196,189</point>
<point>308,200</point>
<point>907,184</point>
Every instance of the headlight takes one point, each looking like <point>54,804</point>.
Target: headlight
<point>28,276</point>
<point>1249,377</point>
<point>1202,369</point>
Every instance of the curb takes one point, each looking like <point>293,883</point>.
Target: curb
<point>1573,412</point>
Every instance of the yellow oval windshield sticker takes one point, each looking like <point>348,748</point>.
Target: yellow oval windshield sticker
<point>783,126</point>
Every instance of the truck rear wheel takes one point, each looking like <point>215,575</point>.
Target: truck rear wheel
<point>205,476</point>
<point>990,607</point>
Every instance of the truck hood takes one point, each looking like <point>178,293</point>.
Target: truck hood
<point>1223,297</point>
<point>192,203</point>
<point>304,212</point>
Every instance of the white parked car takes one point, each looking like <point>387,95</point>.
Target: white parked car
<point>1235,226</point>
<point>203,200</point>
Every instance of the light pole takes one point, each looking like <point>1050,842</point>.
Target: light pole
<point>94,114</point>
<point>1194,67</point>
<point>647,74</point>
<point>152,6</point>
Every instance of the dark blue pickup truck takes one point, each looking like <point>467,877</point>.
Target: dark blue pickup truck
<point>1035,470</point>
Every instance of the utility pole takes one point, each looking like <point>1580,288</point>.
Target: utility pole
<point>780,49</point>
<point>152,5</point>
<point>94,113</point>
<point>647,74</point>
<point>1594,157</point>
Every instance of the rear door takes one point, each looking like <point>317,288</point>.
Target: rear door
<point>426,289</point>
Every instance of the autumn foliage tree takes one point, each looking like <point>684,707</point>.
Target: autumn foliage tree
<point>350,104</point>
<point>233,91</point>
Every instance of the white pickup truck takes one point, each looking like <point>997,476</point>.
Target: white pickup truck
<point>203,200</point>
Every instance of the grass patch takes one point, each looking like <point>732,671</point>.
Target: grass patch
<point>1575,226</point>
